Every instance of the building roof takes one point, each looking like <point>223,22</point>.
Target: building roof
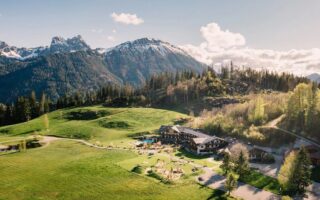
<point>200,138</point>
<point>192,132</point>
<point>203,140</point>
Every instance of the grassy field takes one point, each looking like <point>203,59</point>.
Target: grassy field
<point>67,170</point>
<point>70,170</point>
<point>97,123</point>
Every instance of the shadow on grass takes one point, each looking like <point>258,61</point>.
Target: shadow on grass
<point>218,195</point>
<point>187,154</point>
<point>261,181</point>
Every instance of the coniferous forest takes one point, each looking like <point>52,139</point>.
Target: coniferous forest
<point>164,89</point>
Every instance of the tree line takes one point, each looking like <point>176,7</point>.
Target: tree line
<point>164,89</point>
<point>25,109</point>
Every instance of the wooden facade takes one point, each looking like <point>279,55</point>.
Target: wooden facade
<point>191,139</point>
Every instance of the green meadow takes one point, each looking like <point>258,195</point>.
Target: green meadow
<point>96,123</point>
<point>70,170</point>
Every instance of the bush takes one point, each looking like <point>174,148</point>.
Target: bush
<point>85,115</point>
<point>137,169</point>
<point>114,124</point>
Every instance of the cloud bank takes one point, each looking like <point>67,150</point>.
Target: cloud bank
<point>127,18</point>
<point>221,46</point>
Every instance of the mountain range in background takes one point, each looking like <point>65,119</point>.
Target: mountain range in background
<point>315,77</point>
<point>68,65</point>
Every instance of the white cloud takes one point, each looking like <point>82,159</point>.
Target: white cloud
<point>114,31</point>
<point>220,46</point>
<point>217,39</point>
<point>127,18</point>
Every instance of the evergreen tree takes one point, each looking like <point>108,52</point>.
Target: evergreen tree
<point>33,105</point>
<point>231,183</point>
<point>226,163</point>
<point>47,105</point>
<point>241,165</point>
<point>42,104</point>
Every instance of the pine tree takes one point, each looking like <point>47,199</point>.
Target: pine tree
<point>33,105</point>
<point>42,104</point>
<point>241,165</point>
<point>226,164</point>
<point>8,116</point>
<point>231,183</point>
<point>47,105</point>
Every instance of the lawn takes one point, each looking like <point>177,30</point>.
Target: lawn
<point>69,170</point>
<point>262,181</point>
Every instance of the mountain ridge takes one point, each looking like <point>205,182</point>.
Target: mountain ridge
<point>72,59</point>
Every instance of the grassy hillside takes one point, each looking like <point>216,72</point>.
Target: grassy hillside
<point>96,123</point>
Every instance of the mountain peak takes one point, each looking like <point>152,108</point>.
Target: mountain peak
<point>76,43</point>
<point>3,45</point>
<point>148,44</point>
<point>57,40</point>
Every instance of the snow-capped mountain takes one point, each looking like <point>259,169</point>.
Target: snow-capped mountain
<point>147,44</point>
<point>18,53</point>
<point>137,60</point>
<point>58,45</point>
<point>70,65</point>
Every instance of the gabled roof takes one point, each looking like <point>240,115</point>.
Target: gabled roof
<point>200,138</point>
<point>203,140</point>
<point>192,132</point>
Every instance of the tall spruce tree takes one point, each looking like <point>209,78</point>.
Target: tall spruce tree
<point>42,104</point>
<point>226,163</point>
<point>231,183</point>
<point>241,165</point>
<point>33,105</point>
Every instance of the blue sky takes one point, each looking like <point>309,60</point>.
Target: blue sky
<point>272,24</point>
<point>280,35</point>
